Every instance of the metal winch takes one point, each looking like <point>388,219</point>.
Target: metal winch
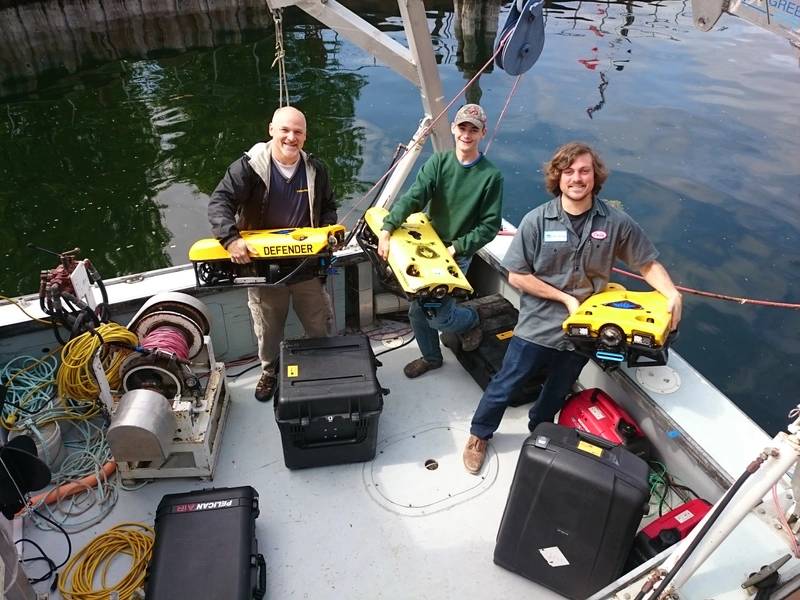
<point>167,424</point>
<point>172,329</point>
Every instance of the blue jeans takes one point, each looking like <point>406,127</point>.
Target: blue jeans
<point>449,317</point>
<point>523,358</point>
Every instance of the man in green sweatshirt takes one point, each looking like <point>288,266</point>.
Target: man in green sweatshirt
<point>464,195</point>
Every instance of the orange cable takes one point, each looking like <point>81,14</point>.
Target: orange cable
<point>65,490</point>
<point>717,296</point>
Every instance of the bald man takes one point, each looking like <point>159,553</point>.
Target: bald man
<point>274,185</point>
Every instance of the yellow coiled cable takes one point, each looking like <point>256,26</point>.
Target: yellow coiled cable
<point>77,580</point>
<point>75,377</point>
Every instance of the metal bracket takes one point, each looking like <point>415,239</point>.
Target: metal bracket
<point>766,571</point>
<point>706,13</point>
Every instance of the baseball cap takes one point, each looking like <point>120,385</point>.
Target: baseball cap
<point>471,113</point>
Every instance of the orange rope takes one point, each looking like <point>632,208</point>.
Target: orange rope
<point>716,296</point>
<point>688,290</point>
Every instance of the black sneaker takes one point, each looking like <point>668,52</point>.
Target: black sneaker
<point>265,387</point>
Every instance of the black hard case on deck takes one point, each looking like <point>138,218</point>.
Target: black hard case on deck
<point>572,513</point>
<point>206,547</point>
<point>328,401</point>
<point>498,319</point>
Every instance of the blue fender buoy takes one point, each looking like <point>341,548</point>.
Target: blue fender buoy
<point>525,44</point>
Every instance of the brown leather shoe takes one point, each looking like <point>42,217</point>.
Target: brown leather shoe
<point>265,387</point>
<point>475,453</point>
<point>418,367</point>
<point>471,338</point>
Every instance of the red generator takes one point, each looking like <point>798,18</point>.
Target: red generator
<point>668,530</point>
<point>594,411</point>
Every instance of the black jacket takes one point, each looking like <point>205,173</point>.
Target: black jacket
<point>237,203</point>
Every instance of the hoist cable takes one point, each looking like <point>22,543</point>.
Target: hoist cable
<point>280,54</point>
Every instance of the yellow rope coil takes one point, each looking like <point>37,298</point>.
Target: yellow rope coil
<point>75,377</point>
<point>77,580</point>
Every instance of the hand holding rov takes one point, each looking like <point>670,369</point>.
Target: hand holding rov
<point>240,251</point>
<point>383,244</point>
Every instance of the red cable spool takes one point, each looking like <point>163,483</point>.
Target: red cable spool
<point>155,369</point>
<point>167,339</point>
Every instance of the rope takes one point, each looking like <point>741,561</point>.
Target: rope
<point>29,382</point>
<point>424,134</point>
<point>280,54</point>
<point>75,377</point>
<point>77,581</point>
<point>787,529</point>
<point>502,113</point>
<point>19,306</point>
<point>167,339</point>
<point>87,454</point>
<point>737,299</point>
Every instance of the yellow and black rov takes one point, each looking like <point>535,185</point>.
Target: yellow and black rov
<point>282,255</point>
<point>617,325</point>
<point>419,265</point>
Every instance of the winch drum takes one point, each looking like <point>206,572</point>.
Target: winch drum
<point>143,427</point>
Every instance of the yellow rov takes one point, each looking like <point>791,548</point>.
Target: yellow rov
<point>418,260</point>
<point>282,254</point>
<point>618,325</point>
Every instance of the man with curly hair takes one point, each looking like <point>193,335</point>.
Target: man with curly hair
<point>562,253</point>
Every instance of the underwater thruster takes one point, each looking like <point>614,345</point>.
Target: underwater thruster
<point>618,325</point>
<point>283,255</point>
<point>418,260</point>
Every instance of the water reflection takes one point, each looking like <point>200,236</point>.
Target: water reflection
<point>105,158</point>
<point>475,28</point>
<point>51,38</point>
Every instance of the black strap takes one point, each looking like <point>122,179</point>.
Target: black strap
<point>258,593</point>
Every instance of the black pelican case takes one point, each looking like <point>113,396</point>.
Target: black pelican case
<point>328,401</point>
<point>206,547</point>
<point>498,319</point>
<point>573,509</point>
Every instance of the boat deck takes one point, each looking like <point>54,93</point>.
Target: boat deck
<point>389,528</point>
<point>392,528</point>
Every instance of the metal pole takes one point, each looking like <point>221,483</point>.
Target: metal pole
<point>430,86</point>
<point>404,166</point>
<point>780,459</point>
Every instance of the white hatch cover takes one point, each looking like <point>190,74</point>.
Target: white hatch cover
<point>662,380</point>
<point>421,472</point>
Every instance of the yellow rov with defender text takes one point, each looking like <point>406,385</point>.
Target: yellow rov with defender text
<point>282,255</point>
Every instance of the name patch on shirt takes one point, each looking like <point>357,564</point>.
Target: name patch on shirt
<point>555,235</point>
<point>599,235</point>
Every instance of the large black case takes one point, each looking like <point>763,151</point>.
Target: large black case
<point>498,319</point>
<point>206,547</point>
<point>328,401</point>
<point>572,511</point>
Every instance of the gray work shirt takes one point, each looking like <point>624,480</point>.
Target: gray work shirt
<point>578,263</point>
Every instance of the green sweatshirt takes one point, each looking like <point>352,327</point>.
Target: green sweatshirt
<point>465,202</point>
